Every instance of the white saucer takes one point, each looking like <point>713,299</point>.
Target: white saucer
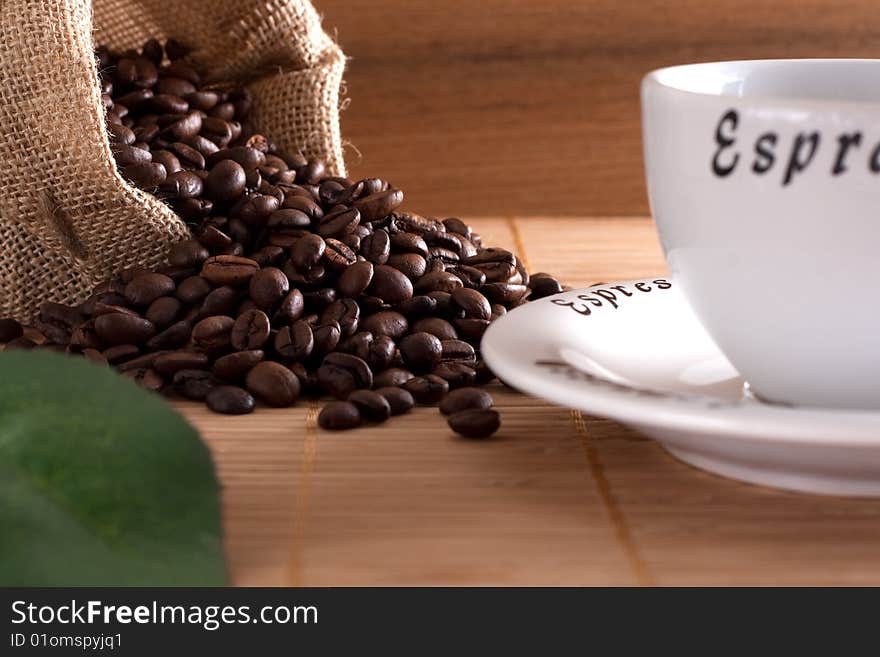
<point>634,352</point>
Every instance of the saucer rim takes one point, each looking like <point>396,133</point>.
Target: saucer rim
<point>750,420</point>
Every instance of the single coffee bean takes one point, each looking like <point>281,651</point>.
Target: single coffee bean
<point>339,416</point>
<point>418,306</point>
<point>230,400</point>
<point>307,252</point>
<point>188,253</point>
<point>291,308</point>
<point>465,399</point>
<point>506,294</point>
<point>543,286</point>
<point>409,243</point>
<point>171,363</point>
<point>234,366</point>
<point>409,222</point>
<point>376,247</point>
<point>121,353</point>
<point>441,281</point>
<point>458,351</point>
<point>327,337</point>
<point>475,423</point>
<point>295,342</point>
<point>10,329</point>
<point>273,383</point>
<point>144,361</point>
<point>387,322</point>
<point>147,379</point>
<point>268,287</point>
<point>471,329</point>
<point>188,155</point>
<point>355,279</point>
<point>340,221</point>
<point>435,326</point>
<point>250,330</point>
<point>213,334</point>
<point>337,255</point>
<point>421,352</point>
<point>456,374</point>
<point>344,312</point>
<point>123,328</point>
<point>229,270</point>
<point>173,337</point>
<point>393,377</point>
<point>193,290</point>
<point>146,175</point>
<point>382,352</point>
<point>226,181</point>
<point>163,311</point>
<point>379,205</point>
<point>222,301</point>
<point>411,265</point>
<point>194,384</point>
<point>181,185</point>
<point>390,285</point>
<point>428,389</point>
<point>474,304</point>
<point>341,374</point>
<point>399,400</point>
<point>145,289</point>
<point>372,406</point>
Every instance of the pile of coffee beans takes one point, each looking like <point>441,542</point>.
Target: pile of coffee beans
<point>294,282</point>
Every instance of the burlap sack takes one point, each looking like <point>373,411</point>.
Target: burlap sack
<point>67,219</point>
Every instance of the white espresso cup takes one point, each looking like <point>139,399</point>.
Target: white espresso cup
<point>764,180</point>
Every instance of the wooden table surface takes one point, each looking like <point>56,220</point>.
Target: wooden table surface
<point>556,498</point>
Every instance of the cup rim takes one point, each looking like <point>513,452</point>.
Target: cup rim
<point>660,77</point>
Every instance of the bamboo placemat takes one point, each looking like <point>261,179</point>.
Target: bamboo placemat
<point>557,498</point>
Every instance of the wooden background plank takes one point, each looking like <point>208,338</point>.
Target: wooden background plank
<point>530,107</point>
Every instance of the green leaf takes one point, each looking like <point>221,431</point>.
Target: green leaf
<point>101,483</point>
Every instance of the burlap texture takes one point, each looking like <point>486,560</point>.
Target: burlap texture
<point>67,219</point>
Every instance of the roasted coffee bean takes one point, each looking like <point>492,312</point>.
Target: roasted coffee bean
<point>458,351</point>
<point>456,374</point>
<point>273,383</point>
<point>327,337</point>
<point>418,306</point>
<point>339,221</point>
<point>147,379</point>
<point>187,155</point>
<point>386,322</point>
<point>340,374</point>
<point>471,329</point>
<point>10,329</point>
<point>213,334</point>
<point>376,247</point>
<point>229,270</point>
<point>181,185</point>
<point>145,289</point>
<point>455,225</point>
<point>390,285</point>
<point>400,401</point>
<point>123,328</point>
<point>428,389</point>
<point>84,337</point>
<point>465,399</point>
<point>291,308</point>
<point>411,265</point>
<point>121,134</point>
<point>234,366</point>
<point>474,304</point>
<point>344,312</point>
<point>305,204</point>
<point>222,301</point>
<point>289,218</point>
<point>194,384</point>
<point>475,423</point>
<point>172,337</point>
<point>441,281</point>
<point>393,377</point>
<point>250,330</point>
<point>339,416</point>
<point>506,294</point>
<point>193,290</point>
<point>147,175</point>
<point>435,326</point>
<point>247,157</point>
<point>320,298</point>
<point>268,287</point>
<point>470,276</point>
<point>144,361</point>
<point>421,352</point>
<point>409,222</point>
<point>543,286</point>
<point>188,253</point>
<point>337,255</point>
<point>171,363</point>
<point>372,406</point>
<point>355,279</point>
<point>307,252</point>
<point>382,352</point>
<point>379,205</point>
<point>163,311</point>
<point>121,353</point>
<point>295,342</point>
<point>230,400</point>
<point>226,181</point>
